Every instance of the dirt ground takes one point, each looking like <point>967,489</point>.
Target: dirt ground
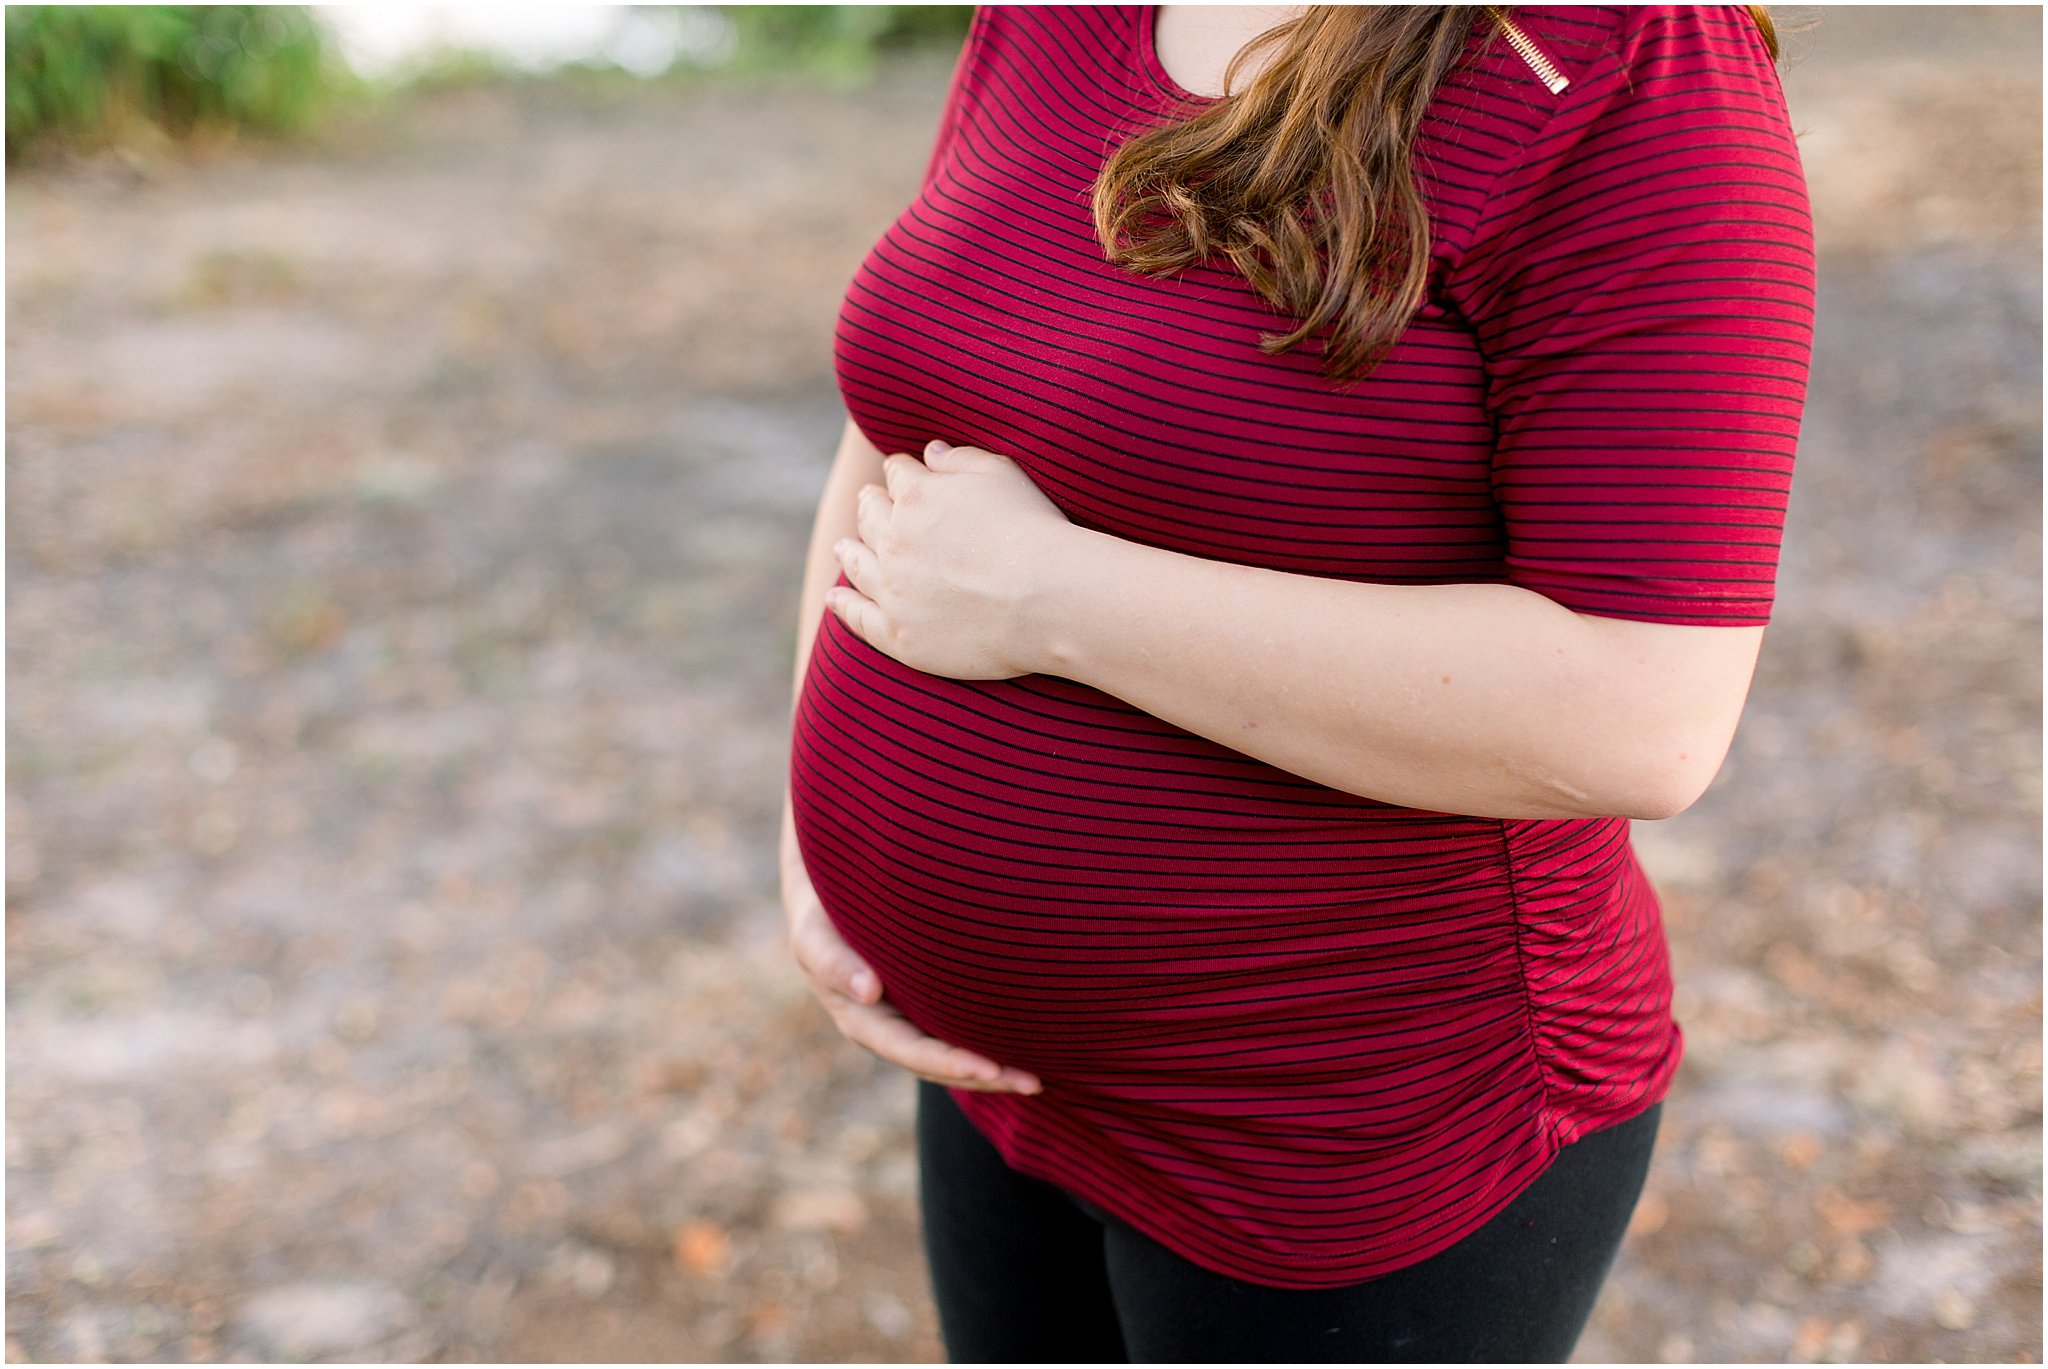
<point>402,550</point>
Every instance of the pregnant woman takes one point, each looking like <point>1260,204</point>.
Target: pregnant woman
<point>1314,474</point>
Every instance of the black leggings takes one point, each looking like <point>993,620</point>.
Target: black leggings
<point>1022,1270</point>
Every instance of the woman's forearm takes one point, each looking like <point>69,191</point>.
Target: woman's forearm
<point>1485,699</point>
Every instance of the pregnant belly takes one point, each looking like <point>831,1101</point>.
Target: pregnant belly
<point>1042,873</point>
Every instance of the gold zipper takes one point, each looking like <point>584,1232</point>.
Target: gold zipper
<point>1546,71</point>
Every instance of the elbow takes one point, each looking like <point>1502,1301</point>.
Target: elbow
<point>1648,777</point>
<point>1659,711</point>
<point>1649,801</point>
<point>1617,791</point>
<point>1671,778</point>
<point>1655,805</point>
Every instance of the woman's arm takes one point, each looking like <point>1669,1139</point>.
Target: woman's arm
<point>1487,699</point>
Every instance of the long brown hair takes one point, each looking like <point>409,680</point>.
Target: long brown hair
<point>1304,179</point>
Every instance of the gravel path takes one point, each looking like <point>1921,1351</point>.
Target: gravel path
<point>402,552</point>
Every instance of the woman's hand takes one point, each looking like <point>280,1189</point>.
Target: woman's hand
<point>945,573</point>
<point>852,994</point>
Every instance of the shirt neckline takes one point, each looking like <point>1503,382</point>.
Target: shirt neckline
<point>1154,69</point>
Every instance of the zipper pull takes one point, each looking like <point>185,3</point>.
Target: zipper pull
<point>1546,70</point>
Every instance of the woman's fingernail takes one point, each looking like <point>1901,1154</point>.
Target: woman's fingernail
<point>935,446</point>
<point>863,984</point>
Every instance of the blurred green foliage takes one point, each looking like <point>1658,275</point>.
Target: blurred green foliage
<point>833,45</point>
<point>93,74</point>
<point>97,75</point>
<point>838,43</point>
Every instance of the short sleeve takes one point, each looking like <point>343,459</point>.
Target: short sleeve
<point>1641,285</point>
<point>956,96</point>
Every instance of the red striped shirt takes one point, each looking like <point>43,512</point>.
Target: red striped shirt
<point>1298,1035</point>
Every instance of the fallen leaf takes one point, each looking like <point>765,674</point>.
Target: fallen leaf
<point>702,1247</point>
<point>1848,1216</point>
<point>1801,1149</point>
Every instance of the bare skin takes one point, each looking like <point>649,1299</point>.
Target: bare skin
<point>1196,42</point>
